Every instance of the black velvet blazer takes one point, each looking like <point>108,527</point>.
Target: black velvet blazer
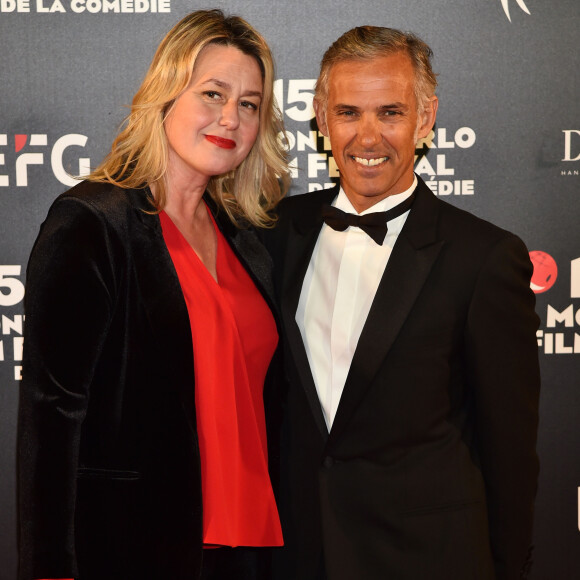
<point>109,475</point>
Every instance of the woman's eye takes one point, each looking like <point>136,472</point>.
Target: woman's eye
<point>249,105</point>
<point>212,94</point>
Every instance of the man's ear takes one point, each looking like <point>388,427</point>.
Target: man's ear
<point>427,117</point>
<point>320,112</point>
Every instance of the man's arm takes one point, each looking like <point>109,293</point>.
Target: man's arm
<point>502,357</point>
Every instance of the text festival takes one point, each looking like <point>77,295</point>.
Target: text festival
<point>90,6</point>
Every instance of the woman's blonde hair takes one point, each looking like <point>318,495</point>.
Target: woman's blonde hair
<point>139,154</point>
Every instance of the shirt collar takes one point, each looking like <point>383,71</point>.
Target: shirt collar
<point>342,202</point>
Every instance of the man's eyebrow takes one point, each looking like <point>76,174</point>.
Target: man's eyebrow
<point>345,106</point>
<point>227,86</point>
<point>396,105</point>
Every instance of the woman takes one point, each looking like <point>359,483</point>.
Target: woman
<point>142,436</point>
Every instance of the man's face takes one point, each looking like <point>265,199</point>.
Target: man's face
<point>373,125</point>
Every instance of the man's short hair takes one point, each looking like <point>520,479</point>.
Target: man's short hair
<point>367,42</point>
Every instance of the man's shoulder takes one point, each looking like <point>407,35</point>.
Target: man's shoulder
<point>303,206</point>
<point>454,222</point>
<point>462,231</point>
<point>311,198</point>
<point>460,223</point>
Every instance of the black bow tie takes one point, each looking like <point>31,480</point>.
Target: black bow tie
<point>373,224</point>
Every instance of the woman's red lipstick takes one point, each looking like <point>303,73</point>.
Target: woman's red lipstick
<point>221,142</point>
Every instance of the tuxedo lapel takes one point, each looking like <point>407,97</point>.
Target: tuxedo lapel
<point>413,256</point>
<point>303,233</point>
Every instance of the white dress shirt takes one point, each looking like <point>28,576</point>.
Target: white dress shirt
<point>339,287</point>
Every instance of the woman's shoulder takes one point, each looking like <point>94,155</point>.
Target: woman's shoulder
<point>101,207</point>
<point>107,198</point>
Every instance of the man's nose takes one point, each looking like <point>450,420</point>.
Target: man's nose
<point>230,117</point>
<point>369,132</point>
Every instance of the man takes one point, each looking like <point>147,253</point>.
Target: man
<point>410,427</point>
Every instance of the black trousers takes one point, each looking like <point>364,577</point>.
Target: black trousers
<point>236,564</point>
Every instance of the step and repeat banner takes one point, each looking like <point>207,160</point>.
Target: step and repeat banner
<point>506,147</point>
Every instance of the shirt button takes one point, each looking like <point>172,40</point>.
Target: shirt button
<point>328,462</point>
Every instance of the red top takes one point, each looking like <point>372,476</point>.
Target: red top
<point>234,337</point>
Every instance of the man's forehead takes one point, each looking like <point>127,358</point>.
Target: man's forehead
<point>384,73</point>
<point>380,60</point>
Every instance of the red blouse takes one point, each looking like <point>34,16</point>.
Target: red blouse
<point>234,337</point>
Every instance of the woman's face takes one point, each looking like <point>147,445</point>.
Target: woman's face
<point>213,124</point>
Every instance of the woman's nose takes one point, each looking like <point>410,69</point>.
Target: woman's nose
<point>230,117</point>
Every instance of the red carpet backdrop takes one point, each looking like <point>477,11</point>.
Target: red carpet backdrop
<point>506,147</point>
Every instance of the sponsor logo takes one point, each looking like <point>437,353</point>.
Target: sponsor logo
<point>545,271</point>
<point>560,150</point>
<point>34,149</point>
<point>559,332</point>
<point>571,152</point>
<point>506,8</point>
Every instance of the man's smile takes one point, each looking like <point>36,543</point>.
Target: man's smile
<point>369,162</point>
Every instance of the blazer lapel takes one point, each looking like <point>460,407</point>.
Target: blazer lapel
<point>304,230</point>
<point>413,256</point>
<point>163,302</point>
<point>249,250</point>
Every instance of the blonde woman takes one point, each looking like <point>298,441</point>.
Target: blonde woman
<point>150,342</point>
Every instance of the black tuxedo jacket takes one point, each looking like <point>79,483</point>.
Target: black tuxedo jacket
<point>109,476</point>
<point>429,470</point>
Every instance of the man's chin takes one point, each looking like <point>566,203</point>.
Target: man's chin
<point>362,200</point>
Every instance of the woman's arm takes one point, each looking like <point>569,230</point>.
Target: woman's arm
<point>69,298</point>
